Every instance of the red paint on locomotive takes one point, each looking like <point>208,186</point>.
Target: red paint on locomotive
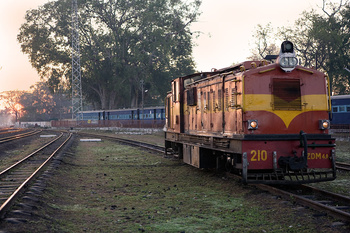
<point>268,122</point>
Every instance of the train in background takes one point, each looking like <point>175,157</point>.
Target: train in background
<point>267,122</point>
<point>340,111</point>
<point>149,117</point>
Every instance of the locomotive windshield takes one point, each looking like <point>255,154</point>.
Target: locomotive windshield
<point>286,94</point>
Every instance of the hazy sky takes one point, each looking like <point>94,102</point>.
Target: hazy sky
<point>227,27</point>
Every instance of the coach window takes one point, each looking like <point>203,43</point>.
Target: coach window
<point>342,109</point>
<point>335,109</point>
<point>348,108</point>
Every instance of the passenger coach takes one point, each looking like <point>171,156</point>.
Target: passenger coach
<point>341,110</point>
<point>150,117</point>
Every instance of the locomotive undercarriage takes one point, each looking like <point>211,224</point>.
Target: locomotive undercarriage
<point>288,177</point>
<point>226,153</point>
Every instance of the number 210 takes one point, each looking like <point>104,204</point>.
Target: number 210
<point>259,155</point>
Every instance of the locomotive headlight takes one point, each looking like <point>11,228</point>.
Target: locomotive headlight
<point>284,62</point>
<point>286,58</point>
<point>253,124</point>
<point>288,62</point>
<point>324,124</point>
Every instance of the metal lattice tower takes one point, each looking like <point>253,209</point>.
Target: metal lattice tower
<point>77,98</point>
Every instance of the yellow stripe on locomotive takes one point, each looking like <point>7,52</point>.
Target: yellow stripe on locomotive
<point>266,121</point>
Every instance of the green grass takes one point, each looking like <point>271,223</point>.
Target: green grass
<point>107,187</point>
<point>343,151</point>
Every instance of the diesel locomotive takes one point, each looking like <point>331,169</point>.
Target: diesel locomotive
<point>266,121</point>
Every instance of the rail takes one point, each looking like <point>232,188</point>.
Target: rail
<point>19,136</point>
<point>17,177</point>
<point>127,141</point>
<point>343,166</point>
<point>327,202</point>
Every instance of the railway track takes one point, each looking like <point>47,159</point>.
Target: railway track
<point>343,166</point>
<point>19,136</point>
<point>144,145</point>
<point>15,179</point>
<point>9,130</point>
<point>326,202</point>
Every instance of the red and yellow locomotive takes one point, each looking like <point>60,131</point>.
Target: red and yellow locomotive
<point>265,121</point>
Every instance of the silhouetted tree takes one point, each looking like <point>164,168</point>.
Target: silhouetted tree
<point>122,42</point>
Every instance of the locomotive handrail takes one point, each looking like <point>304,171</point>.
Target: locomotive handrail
<point>267,70</point>
<point>329,96</point>
<point>305,70</point>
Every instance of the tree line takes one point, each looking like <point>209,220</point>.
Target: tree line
<point>122,43</point>
<point>125,43</point>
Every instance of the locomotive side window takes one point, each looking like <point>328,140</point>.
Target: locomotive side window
<point>286,94</point>
<point>233,97</point>
<point>175,91</point>
<point>208,104</point>
<point>204,102</point>
<point>219,100</point>
<point>199,100</point>
<point>192,96</point>
<point>214,101</point>
<point>226,99</point>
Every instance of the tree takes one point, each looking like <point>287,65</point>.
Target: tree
<point>6,118</point>
<point>40,104</point>
<point>323,41</point>
<point>265,42</point>
<point>11,102</point>
<point>122,42</point>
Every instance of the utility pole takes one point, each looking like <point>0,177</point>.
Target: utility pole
<point>77,100</point>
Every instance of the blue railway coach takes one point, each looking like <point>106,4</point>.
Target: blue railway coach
<point>340,110</point>
<point>150,117</point>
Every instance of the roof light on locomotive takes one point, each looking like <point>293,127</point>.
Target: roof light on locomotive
<point>287,59</point>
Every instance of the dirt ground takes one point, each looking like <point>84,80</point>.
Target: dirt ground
<point>107,187</point>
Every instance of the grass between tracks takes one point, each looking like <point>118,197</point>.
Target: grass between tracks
<point>343,151</point>
<point>342,183</point>
<point>106,187</point>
